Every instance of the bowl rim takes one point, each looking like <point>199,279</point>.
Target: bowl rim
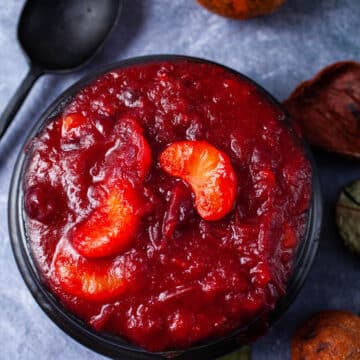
<point>114,346</point>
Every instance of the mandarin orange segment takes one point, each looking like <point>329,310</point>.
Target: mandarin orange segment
<point>209,173</point>
<point>93,280</point>
<point>110,227</point>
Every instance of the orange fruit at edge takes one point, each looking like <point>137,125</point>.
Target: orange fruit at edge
<point>241,9</point>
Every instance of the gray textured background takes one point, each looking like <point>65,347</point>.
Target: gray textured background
<point>278,51</point>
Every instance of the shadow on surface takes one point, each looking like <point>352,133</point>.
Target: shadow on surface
<point>34,105</point>
<point>128,27</point>
<point>309,7</point>
<point>14,137</point>
<point>302,6</point>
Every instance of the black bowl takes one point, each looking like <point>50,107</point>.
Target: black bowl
<point>116,347</point>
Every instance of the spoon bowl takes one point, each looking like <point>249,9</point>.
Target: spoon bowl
<point>62,35</point>
<point>58,36</point>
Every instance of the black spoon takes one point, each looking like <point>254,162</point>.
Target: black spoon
<point>59,36</point>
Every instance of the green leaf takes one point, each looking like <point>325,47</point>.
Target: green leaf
<point>348,215</point>
<point>243,354</point>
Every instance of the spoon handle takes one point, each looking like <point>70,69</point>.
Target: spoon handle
<point>18,98</point>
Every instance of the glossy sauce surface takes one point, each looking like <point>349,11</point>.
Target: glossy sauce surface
<point>183,279</point>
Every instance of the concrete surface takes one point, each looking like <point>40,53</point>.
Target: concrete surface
<point>278,51</point>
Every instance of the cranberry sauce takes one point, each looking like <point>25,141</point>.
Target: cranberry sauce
<point>174,278</point>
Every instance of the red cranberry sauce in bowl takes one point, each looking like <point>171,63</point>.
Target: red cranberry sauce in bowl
<point>165,203</point>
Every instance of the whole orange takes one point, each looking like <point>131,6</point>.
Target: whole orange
<point>241,9</point>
